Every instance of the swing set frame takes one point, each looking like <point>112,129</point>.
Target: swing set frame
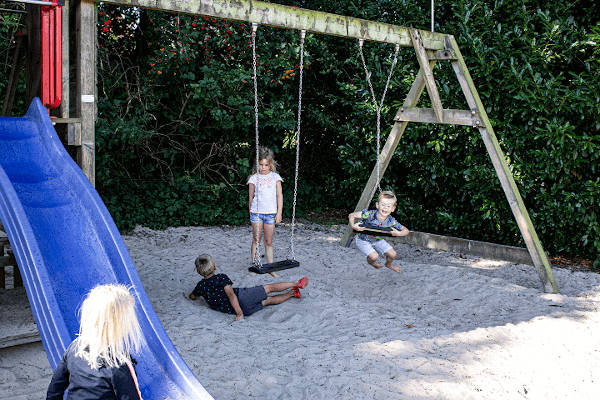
<point>429,47</point>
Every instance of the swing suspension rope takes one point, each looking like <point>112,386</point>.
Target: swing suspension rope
<point>292,255</point>
<point>378,106</point>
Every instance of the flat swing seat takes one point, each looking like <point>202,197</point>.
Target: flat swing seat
<point>272,267</point>
<point>372,229</point>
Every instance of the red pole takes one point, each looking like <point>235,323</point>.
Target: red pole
<point>51,55</point>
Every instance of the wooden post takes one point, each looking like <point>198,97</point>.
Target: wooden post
<point>86,83</point>
<point>388,149</point>
<point>538,256</point>
<point>64,104</point>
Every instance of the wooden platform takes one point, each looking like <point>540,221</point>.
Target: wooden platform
<point>18,326</point>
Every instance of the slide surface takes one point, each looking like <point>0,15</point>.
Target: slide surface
<point>66,242</point>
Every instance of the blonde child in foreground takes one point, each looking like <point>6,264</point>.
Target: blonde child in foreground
<point>218,292</point>
<point>371,245</point>
<point>98,365</point>
<point>265,203</point>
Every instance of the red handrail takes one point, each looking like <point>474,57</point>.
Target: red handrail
<point>51,55</point>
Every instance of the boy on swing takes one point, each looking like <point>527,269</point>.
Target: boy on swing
<point>370,244</point>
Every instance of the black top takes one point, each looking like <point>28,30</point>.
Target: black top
<point>213,291</point>
<point>85,383</point>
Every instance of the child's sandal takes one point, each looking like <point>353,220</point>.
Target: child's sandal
<point>297,293</point>
<point>302,283</point>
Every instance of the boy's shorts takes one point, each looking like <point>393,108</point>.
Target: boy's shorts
<point>267,219</point>
<point>251,299</point>
<point>367,247</point>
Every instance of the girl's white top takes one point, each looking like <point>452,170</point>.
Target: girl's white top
<point>266,193</point>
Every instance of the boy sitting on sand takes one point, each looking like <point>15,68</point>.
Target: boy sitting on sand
<point>218,292</point>
<point>371,245</point>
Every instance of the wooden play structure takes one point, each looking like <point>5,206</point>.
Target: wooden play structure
<point>77,111</point>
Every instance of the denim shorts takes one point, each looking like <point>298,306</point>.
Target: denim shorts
<point>251,299</point>
<point>366,247</point>
<point>268,219</point>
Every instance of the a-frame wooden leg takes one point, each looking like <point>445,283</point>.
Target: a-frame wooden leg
<point>434,95</point>
<point>534,246</point>
<point>388,149</point>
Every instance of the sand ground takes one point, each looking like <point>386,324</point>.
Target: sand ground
<point>450,326</point>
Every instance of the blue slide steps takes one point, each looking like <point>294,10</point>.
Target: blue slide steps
<point>66,242</point>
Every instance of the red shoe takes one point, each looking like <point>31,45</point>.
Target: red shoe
<point>302,283</point>
<point>297,293</point>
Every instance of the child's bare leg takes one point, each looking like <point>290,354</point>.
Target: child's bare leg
<point>256,233</point>
<point>279,286</point>
<point>277,299</point>
<point>269,231</point>
<point>372,259</point>
<point>390,256</point>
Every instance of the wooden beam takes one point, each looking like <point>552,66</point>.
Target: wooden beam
<point>412,98</point>
<point>74,134</point>
<point>280,16</point>
<point>449,116</point>
<point>19,339</point>
<point>441,55</point>
<point>423,59</point>
<point>86,83</point>
<point>540,260</point>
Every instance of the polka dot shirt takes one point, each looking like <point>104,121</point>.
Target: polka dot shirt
<point>213,291</point>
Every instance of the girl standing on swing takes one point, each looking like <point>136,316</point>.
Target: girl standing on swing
<point>265,202</point>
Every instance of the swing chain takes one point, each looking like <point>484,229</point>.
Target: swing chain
<point>254,28</point>
<point>257,254</point>
<point>301,73</point>
<point>378,107</point>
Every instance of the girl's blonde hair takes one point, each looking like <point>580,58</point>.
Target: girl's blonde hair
<point>109,331</point>
<point>264,153</point>
<point>204,264</point>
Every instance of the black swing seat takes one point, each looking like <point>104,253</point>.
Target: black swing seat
<point>272,267</point>
<point>372,229</point>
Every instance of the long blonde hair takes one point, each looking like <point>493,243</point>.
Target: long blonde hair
<point>109,331</point>
<point>265,153</point>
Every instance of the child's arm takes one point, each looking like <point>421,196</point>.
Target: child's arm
<point>239,314</point>
<point>250,196</point>
<point>351,219</point>
<point>279,202</point>
<point>402,232</point>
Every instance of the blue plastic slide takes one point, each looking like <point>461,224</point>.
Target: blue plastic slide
<point>66,242</point>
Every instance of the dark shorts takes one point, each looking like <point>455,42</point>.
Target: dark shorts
<point>251,299</point>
